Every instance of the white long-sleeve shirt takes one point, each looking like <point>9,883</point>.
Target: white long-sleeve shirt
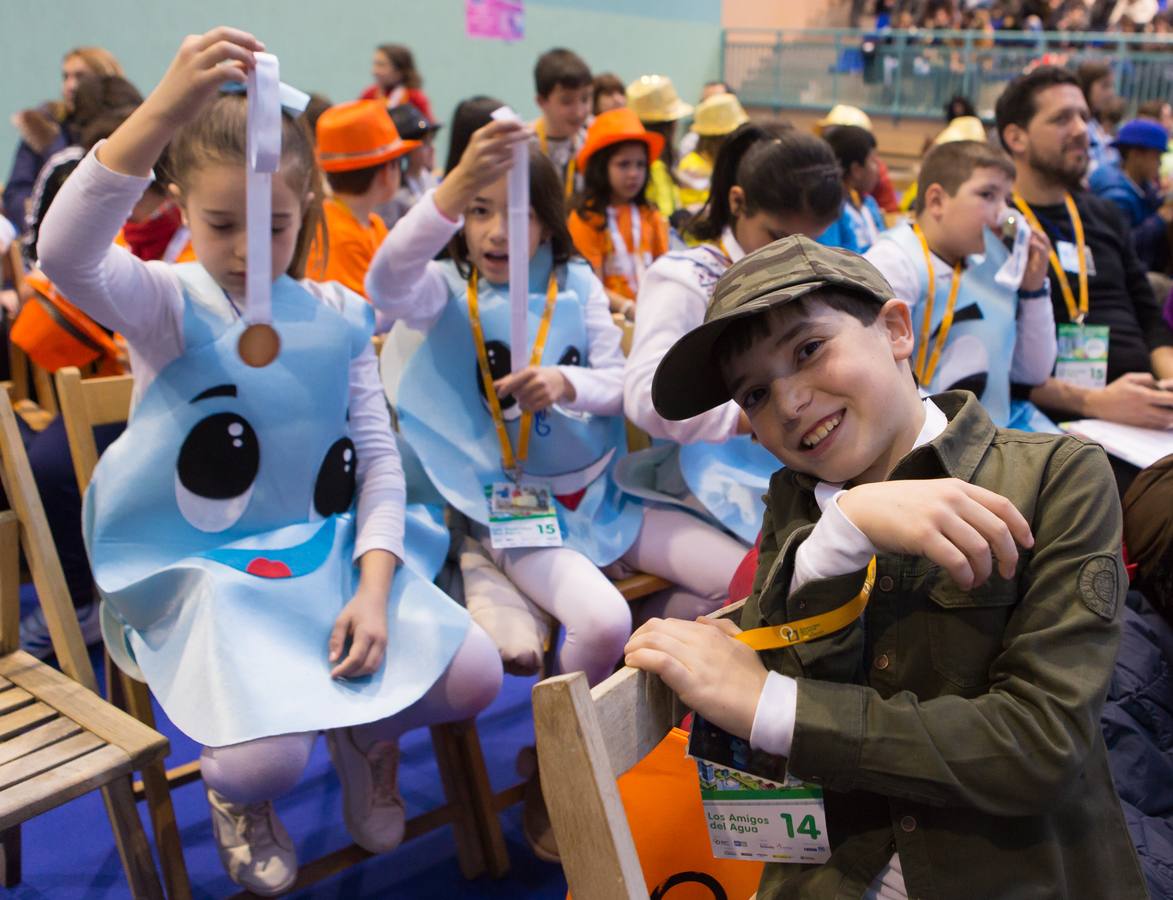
<point>1035,345</point>
<point>144,302</point>
<point>406,284</point>
<point>672,300</point>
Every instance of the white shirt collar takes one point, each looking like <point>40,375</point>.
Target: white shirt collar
<point>731,245</point>
<point>935,423</point>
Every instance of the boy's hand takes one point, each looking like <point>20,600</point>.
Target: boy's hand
<point>204,62</point>
<point>364,621</point>
<point>536,387</point>
<point>960,526</point>
<point>704,663</point>
<point>1037,260</point>
<point>486,159</point>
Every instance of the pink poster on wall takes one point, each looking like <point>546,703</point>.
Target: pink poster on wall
<point>502,20</point>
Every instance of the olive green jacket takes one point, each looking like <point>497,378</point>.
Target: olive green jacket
<point>962,728</point>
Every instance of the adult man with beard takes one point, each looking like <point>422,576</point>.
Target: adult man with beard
<point>1097,279</point>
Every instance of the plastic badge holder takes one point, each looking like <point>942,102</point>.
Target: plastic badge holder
<point>518,220</point>
<point>260,343</point>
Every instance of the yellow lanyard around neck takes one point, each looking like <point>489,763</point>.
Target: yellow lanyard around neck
<point>924,372</point>
<point>543,142</point>
<point>773,637</point>
<point>511,463</point>
<point>1076,313</point>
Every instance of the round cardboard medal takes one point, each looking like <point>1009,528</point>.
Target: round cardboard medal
<point>259,345</point>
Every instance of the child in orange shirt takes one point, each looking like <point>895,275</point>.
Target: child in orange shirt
<point>358,148</point>
<point>613,225</point>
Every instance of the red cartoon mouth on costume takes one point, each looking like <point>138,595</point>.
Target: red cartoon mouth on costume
<point>268,568</point>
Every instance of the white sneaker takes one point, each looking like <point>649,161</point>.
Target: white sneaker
<point>372,806</point>
<point>34,630</point>
<point>254,847</point>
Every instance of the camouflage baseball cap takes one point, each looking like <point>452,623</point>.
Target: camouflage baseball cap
<point>688,380</point>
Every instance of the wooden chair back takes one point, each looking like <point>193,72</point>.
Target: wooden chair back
<point>85,404</point>
<point>586,739</point>
<point>58,738</point>
<point>43,562</point>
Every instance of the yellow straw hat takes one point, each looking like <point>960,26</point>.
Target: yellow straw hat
<point>963,128</point>
<point>654,99</point>
<point>718,115</point>
<point>842,114</point>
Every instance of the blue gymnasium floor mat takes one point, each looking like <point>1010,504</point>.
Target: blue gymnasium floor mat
<point>69,852</point>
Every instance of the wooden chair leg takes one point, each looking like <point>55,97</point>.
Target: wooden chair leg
<point>484,803</point>
<point>469,850</point>
<point>166,831</point>
<point>10,857</point>
<point>131,840</point>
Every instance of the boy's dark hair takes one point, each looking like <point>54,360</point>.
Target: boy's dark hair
<point>469,115</point>
<point>780,169</point>
<point>1089,72</point>
<point>357,181</point>
<point>741,334</point>
<point>1017,106</point>
<point>401,57</point>
<point>560,67</point>
<point>605,83</point>
<point>96,97</point>
<point>595,195</point>
<point>951,165</point>
<point>851,145</point>
<point>547,200</point>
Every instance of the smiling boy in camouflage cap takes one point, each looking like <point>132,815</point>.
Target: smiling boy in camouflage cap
<point>954,725</point>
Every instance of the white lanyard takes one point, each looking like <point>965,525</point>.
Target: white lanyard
<point>259,343</point>
<point>630,265</point>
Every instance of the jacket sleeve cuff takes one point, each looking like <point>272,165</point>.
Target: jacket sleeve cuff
<point>828,731</point>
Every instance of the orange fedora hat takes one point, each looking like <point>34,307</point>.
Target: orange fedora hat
<point>614,127</point>
<point>357,135</point>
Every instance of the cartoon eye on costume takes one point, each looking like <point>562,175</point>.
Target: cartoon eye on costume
<point>216,471</point>
<point>570,357</point>
<point>334,489</point>
<point>499,367</point>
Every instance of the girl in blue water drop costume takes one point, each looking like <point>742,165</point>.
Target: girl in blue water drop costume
<point>240,578</point>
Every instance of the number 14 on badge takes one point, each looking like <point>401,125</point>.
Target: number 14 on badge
<point>522,515</point>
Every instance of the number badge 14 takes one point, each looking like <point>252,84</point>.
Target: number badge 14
<point>753,808</point>
<point>522,515</point>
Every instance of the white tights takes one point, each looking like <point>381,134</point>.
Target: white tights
<point>697,558</point>
<point>268,767</point>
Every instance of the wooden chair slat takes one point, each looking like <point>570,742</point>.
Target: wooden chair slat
<point>23,719</point>
<point>42,736</point>
<point>140,743</point>
<point>14,699</point>
<point>640,585</point>
<point>48,758</point>
<point>50,789</point>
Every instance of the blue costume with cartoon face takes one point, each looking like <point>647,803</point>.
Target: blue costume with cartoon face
<point>444,415</point>
<point>980,348</point>
<point>221,530</point>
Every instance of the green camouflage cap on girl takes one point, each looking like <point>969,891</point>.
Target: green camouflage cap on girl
<point>688,380</point>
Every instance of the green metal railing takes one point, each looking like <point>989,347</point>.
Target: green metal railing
<point>915,73</point>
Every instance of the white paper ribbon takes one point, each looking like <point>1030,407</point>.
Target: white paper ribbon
<point>518,221</point>
<point>263,148</point>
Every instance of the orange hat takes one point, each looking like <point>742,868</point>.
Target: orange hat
<point>614,127</point>
<point>358,135</point>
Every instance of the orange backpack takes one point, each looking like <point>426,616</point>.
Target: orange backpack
<point>54,333</point>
